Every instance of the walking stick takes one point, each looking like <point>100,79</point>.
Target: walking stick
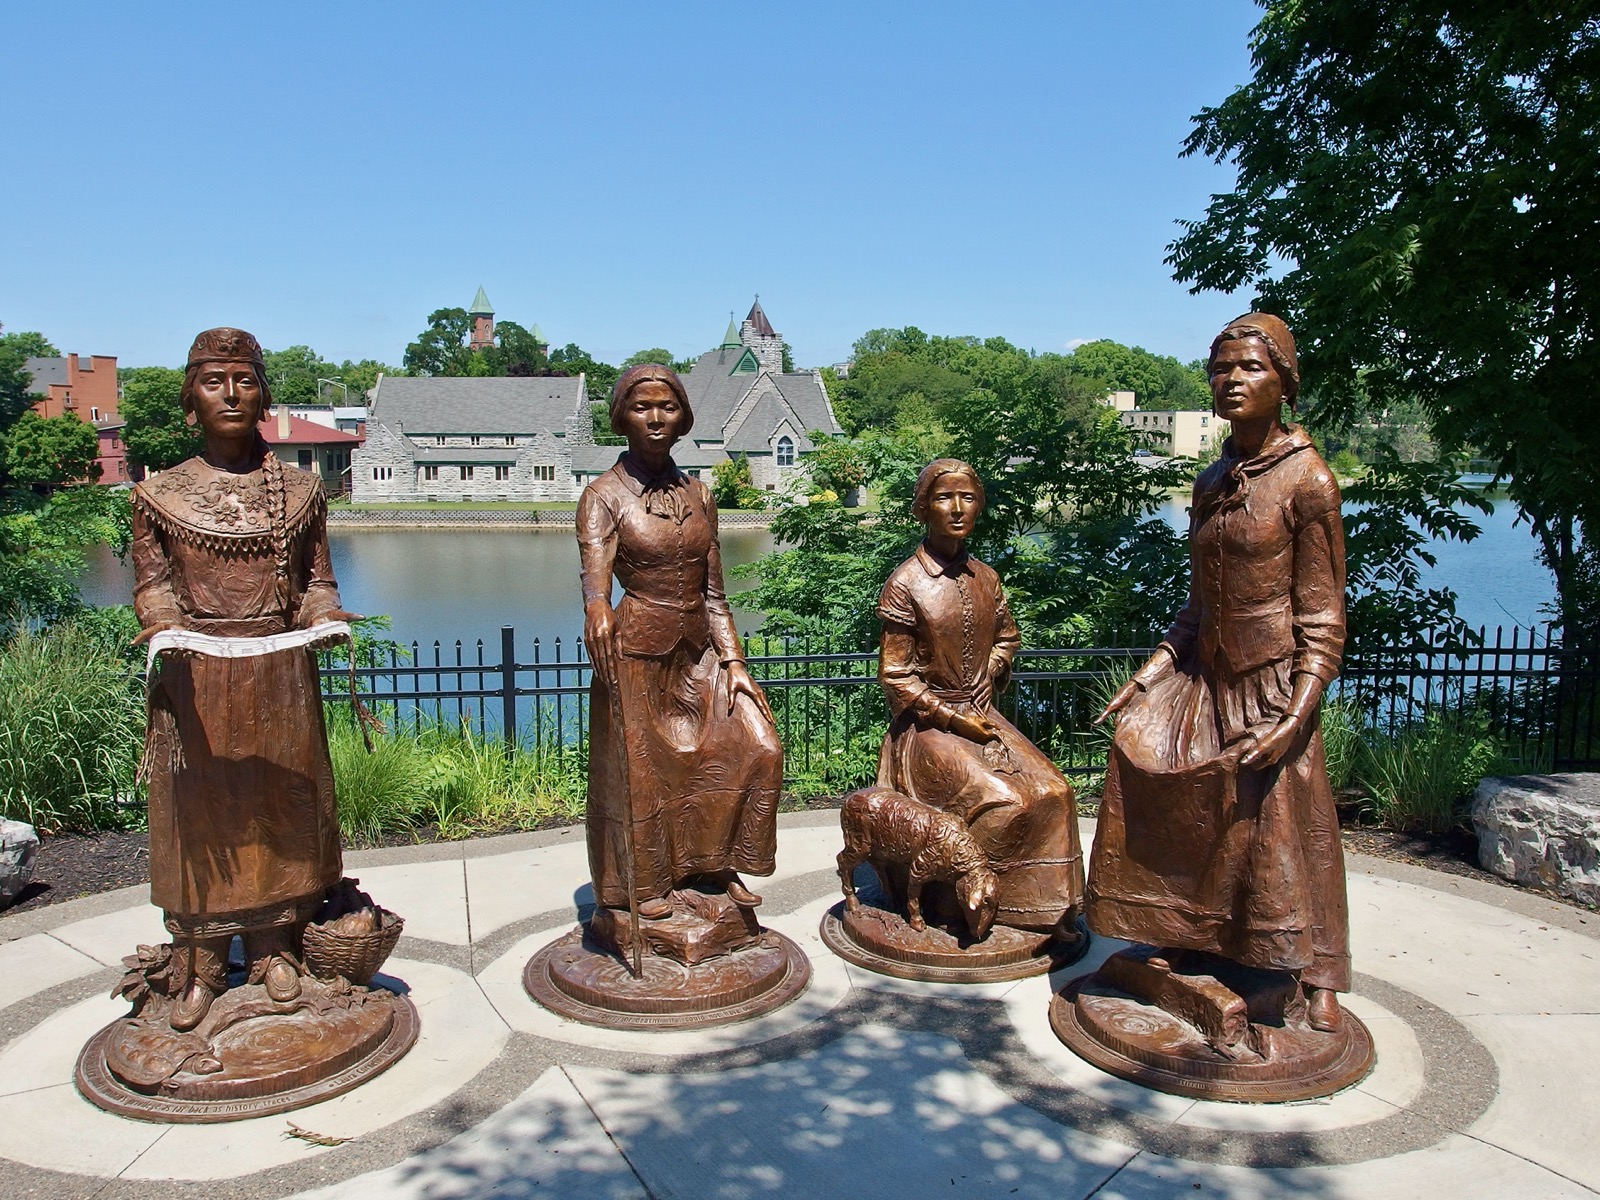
<point>614,691</point>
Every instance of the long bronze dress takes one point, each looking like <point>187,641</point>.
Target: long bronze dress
<point>947,636</point>
<point>243,829</point>
<point>1191,852</point>
<point>703,782</point>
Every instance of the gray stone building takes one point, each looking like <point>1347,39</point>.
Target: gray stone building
<point>462,438</point>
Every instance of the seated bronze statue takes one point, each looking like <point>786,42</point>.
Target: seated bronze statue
<point>1011,859</point>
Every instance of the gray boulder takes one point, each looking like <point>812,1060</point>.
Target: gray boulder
<point>18,844</point>
<point>1542,831</point>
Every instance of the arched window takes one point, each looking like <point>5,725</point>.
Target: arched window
<point>786,451</point>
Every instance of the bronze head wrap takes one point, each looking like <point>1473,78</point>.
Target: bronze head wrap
<point>931,474</point>
<point>225,344</point>
<point>1271,331</point>
<point>634,376</point>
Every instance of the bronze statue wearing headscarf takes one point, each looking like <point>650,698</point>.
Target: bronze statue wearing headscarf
<point>1218,830</point>
<point>691,775</point>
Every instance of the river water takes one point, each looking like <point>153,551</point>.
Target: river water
<point>467,583</point>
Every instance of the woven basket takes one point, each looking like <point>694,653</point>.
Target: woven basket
<point>356,957</point>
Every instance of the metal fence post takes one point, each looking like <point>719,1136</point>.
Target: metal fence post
<point>508,687</point>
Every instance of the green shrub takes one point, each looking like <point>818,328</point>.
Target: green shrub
<point>71,730</point>
<point>1416,778</point>
<point>450,778</point>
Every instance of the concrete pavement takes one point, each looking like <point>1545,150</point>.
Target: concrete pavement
<point>1481,1001</point>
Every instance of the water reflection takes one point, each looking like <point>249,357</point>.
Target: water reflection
<point>466,583</point>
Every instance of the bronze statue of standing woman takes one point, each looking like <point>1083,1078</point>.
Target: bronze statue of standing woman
<point>685,767</point>
<point>1218,845</point>
<point>234,588</point>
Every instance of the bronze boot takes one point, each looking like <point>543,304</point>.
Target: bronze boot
<point>206,966</point>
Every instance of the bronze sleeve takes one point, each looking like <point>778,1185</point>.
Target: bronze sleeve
<point>154,600</point>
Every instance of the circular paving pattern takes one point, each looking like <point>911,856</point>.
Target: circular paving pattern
<point>1475,1008</point>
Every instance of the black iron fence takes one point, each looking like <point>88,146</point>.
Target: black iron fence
<point>1537,695</point>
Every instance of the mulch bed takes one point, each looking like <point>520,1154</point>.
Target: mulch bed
<point>73,865</point>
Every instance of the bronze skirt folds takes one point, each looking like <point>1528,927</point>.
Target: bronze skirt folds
<point>1193,853</point>
<point>242,814</point>
<point>703,783</point>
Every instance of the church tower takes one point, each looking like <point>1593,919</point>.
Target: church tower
<point>757,333</point>
<point>482,314</point>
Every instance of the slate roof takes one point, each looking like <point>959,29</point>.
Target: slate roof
<point>714,395</point>
<point>45,371</point>
<point>756,430</point>
<point>758,320</point>
<point>466,405</point>
<point>592,460</point>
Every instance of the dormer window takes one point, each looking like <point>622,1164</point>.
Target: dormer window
<point>785,451</point>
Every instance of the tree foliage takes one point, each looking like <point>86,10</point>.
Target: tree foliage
<point>1418,187</point>
<point>1159,382</point>
<point>441,348</point>
<point>28,344</point>
<point>154,431</point>
<point>43,452</point>
<point>733,486</point>
<point>46,521</point>
<point>1071,522</point>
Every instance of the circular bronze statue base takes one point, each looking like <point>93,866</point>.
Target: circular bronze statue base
<point>576,978</point>
<point>1141,1042</point>
<point>882,941</point>
<point>263,1062</point>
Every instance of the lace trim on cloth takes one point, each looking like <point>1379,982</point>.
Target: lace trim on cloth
<point>224,513</point>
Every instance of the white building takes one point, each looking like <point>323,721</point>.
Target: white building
<point>1183,434</point>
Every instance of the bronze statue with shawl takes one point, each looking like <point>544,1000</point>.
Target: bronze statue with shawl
<point>234,589</point>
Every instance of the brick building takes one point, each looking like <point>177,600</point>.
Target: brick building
<point>84,386</point>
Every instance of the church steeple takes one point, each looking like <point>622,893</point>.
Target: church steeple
<point>763,340</point>
<point>730,340</point>
<point>482,314</point>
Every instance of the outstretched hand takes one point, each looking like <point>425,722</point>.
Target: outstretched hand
<point>1159,664</point>
<point>1125,693</point>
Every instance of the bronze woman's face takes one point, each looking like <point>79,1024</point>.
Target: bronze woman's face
<point>651,416</point>
<point>1245,386</point>
<point>953,506</point>
<point>227,398</point>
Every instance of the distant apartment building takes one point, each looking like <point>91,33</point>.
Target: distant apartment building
<point>84,386</point>
<point>1182,434</point>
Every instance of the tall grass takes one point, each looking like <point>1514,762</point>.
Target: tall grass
<point>1418,778</point>
<point>452,779</point>
<point>71,730</point>
<point>1342,727</point>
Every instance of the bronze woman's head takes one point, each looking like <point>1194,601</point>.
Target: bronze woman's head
<point>633,377</point>
<point>224,345</point>
<point>931,474</point>
<point>1275,335</point>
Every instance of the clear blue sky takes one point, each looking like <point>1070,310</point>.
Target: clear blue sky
<point>621,174</point>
